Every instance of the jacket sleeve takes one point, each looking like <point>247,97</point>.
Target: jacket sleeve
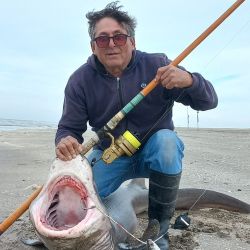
<point>74,117</point>
<point>200,96</point>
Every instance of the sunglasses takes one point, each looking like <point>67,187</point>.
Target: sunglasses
<point>103,41</point>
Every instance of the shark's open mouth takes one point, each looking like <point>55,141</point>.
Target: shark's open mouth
<point>66,205</point>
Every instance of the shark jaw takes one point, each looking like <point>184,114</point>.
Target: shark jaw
<point>68,211</point>
<point>67,204</point>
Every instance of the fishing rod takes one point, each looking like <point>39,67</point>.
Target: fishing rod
<point>19,211</point>
<point>121,114</point>
<point>128,143</point>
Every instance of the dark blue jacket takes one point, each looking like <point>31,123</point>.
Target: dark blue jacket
<point>92,95</point>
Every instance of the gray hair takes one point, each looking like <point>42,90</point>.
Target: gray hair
<point>113,11</point>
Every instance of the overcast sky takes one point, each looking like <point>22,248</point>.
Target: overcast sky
<point>43,42</point>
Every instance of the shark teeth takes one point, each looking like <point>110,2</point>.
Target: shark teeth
<point>67,206</point>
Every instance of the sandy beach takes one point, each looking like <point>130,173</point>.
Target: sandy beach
<point>216,159</point>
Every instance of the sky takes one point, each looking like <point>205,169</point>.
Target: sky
<point>43,42</point>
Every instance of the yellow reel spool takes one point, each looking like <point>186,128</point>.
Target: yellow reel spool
<point>126,144</point>
<point>132,139</point>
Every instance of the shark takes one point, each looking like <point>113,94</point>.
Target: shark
<point>69,214</point>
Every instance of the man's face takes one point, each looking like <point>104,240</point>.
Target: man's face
<point>114,58</point>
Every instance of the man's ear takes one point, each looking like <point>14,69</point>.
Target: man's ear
<point>92,44</point>
<point>132,39</point>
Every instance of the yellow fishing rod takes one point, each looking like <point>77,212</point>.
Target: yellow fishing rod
<point>132,141</point>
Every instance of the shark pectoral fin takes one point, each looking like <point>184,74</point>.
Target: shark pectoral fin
<point>150,234</point>
<point>32,242</point>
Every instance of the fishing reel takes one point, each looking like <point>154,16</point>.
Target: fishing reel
<point>124,144</point>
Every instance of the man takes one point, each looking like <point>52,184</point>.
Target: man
<point>111,77</point>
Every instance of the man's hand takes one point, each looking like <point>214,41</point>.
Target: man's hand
<point>173,77</point>
<point>68,148</point>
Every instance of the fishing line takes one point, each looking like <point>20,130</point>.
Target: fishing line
<point>180,217</point>
<point>118,224</point>
<point>207,64</point>
<point>114,221</point>
<point>183,221</point>
<point>123,228</point>
<point>184,217</point>
<point>204,191</point>
<point>169,108</point>
<point>227,44</point>
<point>155,124</point>
<point>213,59</point>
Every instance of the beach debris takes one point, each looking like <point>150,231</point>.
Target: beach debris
<point>32,187</point>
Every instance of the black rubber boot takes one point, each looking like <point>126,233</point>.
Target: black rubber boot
<point>163,190</point>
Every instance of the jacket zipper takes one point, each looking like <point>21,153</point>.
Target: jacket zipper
<point>118,80</point>
<point>119,91</point>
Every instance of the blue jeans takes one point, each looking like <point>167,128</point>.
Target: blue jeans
<point>163,152</point>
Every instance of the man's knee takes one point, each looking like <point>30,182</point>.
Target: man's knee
<point>166,140</point>
<point>165,152</point>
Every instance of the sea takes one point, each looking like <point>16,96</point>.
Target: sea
<point>14,124</point>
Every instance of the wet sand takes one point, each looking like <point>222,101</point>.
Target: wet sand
<point>216,159</point>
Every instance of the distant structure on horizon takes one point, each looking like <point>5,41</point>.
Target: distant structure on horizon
<point>187,118</point>
<point>197,119</point>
